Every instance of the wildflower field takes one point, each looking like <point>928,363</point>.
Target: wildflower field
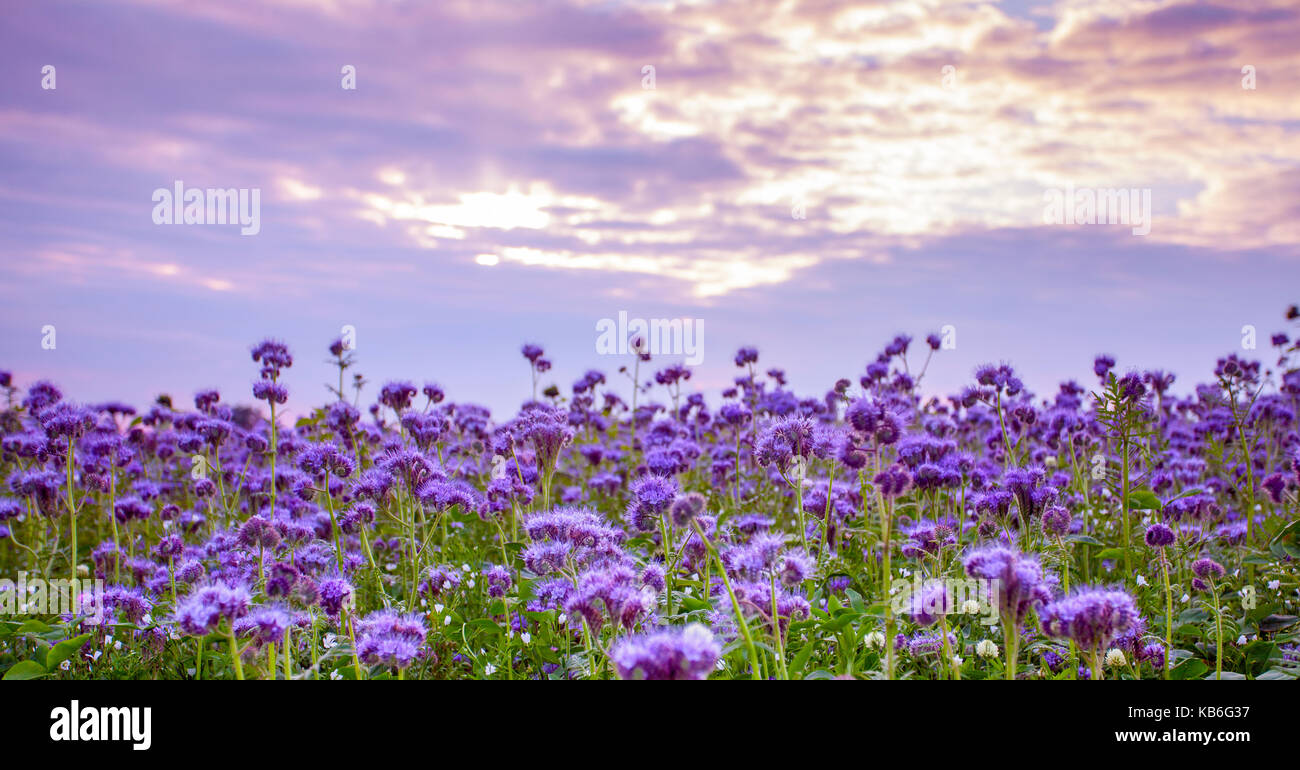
<point>625,528</point>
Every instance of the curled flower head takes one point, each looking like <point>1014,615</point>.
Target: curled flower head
<point>1017,581</point>
<point>1092,617</point>
<point>1207,569</point>
<point>682,653</point>
<point>1158,536</point>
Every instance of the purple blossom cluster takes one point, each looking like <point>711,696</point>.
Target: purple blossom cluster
<point>599,533</point>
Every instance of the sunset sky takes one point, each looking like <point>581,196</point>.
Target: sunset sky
<point>501,174</point>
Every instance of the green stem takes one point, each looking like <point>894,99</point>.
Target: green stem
<point>234,652</point>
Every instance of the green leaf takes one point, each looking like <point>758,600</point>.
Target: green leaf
<point>1192,669</point>
<point>484,624</point>
<point>1274,674</point>
<point>1144,500</point>
<point>1274,623</point>
<point>802,657</point>
<point>1290,529</point>
<point>27,669</point>
<point>692,604</point>
<point>64,650</point>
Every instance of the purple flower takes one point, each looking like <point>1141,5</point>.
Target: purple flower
<point>651,497</point>
<point>1090,616</point>
<point>1207,569</point>
<point>1158,536</point>
<point>390,638</point>
<point>1017,581</point>
<point>680,653</point>
<point>334,594</point>
<point>200,612</point>
<point>931,601</point>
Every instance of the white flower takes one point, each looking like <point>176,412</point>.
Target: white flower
<point>875,640</point>
<point>464,568</point>
<point>437,608</point>
<point>471,583</point>
<point>526,638</point>
<point>1241,639</point>
<point>987,648</point>
<point>489,669</point>
<point>1115,659</point>
<point>970,607</point>
<point>1141,580</point>
<point>1185,598</point>
<point>446,621</point>
<point>331,641</point>
<point>117,645</point>
<point>1273,585</point>
<point>956,660</point>
<point>563,617</point>
<point>66,665</point>
<point>335,675</point>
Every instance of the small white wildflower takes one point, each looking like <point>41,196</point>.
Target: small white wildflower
<point>1185,598</point>
<point>331,641</point>
<point>446,585</point>
<point>1142,581</point>
<point>438,608</point>
<point>489,669</point>
<point>970,607</point>
<point>956,660</point>
<point>471,583</point>
<point>148,619</point>
<point>987,648</point>
<point>335,675</point>
<point>1273,585</point>
<point>1241,639</point>
<point>527,638</point>
<point>464,568</point>
<point>875,640</point>
<point>446,621</point>
<point>1115,659</point>
<point>66,665</point>
<point>117,645</point>
<point>97,655</point>
<point>563,617</point>
<point>390,566</point>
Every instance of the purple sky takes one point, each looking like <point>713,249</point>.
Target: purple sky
<point>502,175</point>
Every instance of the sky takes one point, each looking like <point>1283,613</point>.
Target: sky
<point>807,177</point>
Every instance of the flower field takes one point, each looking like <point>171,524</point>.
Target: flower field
<point>1126,526</point>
